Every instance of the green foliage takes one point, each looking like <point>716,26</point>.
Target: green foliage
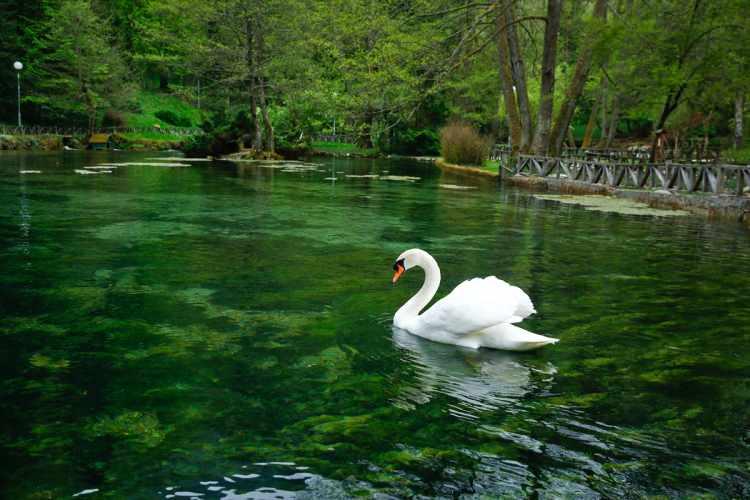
<point>20,28</point>
<point>389,75</point>
<point>113,118</point>
<point>410,141</point>
<point>492,165</point>
<point>172,118</point>
<point>147,135</point>
<point>80,72</point>
<point>461,144</point>
<point>221,135</point>
<point>149,104</point>
<point>740,156</point>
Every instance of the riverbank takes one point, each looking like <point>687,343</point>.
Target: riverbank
<point>52,142</point>
<point>32,142</point>
<point>725,207</point>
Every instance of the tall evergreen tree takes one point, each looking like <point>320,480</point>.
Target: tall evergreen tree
<point>80,70</point>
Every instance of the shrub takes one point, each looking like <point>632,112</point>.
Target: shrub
<point>113,118</point>
<point>221,135</point>
<point>413,141</point>
<point>460,143</point>
<point>172,118</point>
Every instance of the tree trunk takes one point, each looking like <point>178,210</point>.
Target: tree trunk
<point>251,63</point>
<point>256,133</point>
<point>575,88</point>
<point>259,49</point>
<point>603,116</point>
<point>365,134</point>
<point>673,100</point>
<point>251,60</point>
<point>506,80</point>
<point>547,91</point>
<point>739,109</point>
<point>571,138</point>
<point>706,122</point>
<point>587,135</point>
<point>91,114</point>
<point>614,118</point>
<point>163,81</point>
<point>269,143</point>
<point>90,108</point>
<point>519,79</point>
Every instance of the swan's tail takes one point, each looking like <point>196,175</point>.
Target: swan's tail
<point>512,338</point>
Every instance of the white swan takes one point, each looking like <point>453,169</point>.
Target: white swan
<point>478,313</point>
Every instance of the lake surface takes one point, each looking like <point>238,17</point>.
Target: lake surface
<point>224,331</point>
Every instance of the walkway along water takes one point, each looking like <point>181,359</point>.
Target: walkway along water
<point>704,177</point>
<point>710,189</point>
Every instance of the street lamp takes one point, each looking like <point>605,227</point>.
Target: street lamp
<point>18,67</point>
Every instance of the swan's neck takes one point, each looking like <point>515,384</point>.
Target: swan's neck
<point>411,309</point>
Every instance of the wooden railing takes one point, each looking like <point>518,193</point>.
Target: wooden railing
<point>701,177</point>
<point>632,155</point>
<point>345,138</point>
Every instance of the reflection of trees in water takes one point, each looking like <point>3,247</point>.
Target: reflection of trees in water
<point>477,380</point>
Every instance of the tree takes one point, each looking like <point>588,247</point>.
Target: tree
<point>80,70</point>
<point>580,75</point>
<point>671,53</point>
<point>518,140</point>
<point>547,90</point>
<point>161,39</point>
<point>518,70</point>
<point>246,44</point>
<point>18,26</point>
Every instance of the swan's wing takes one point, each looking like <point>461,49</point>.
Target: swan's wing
<point>478,304</point>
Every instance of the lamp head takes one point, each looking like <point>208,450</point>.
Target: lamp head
<point>18,65</point>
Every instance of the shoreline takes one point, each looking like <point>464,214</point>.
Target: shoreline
<point>52,142</point>
<point>723,207</point>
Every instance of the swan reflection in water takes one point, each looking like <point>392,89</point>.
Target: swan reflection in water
<point>478,380</point>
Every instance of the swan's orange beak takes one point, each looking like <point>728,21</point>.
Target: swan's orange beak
<point>399,271</point>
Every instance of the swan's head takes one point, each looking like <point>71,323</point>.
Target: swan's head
<point>406,261</point>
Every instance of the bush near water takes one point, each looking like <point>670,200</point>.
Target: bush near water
<point>461,144</point>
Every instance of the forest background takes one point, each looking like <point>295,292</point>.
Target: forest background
<point>385,75</point>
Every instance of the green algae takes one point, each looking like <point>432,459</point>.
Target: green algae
<point>600,203</point>
<point>143,429</point>
<point>142,231</point>
<point>42,361</point>
<point>30,326</point>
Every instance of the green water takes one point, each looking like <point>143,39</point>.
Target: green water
<point>225,331</point>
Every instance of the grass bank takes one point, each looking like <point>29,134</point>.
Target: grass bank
<point>152,108</point>
<point>737,156</point>
<point>489,169</point>
<point>31,142</point>
<point>155,111</point>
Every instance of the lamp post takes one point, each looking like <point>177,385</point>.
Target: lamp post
<point>18,67</point>
<point>335,97</point>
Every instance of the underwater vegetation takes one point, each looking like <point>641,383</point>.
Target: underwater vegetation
<point>227,329</point>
